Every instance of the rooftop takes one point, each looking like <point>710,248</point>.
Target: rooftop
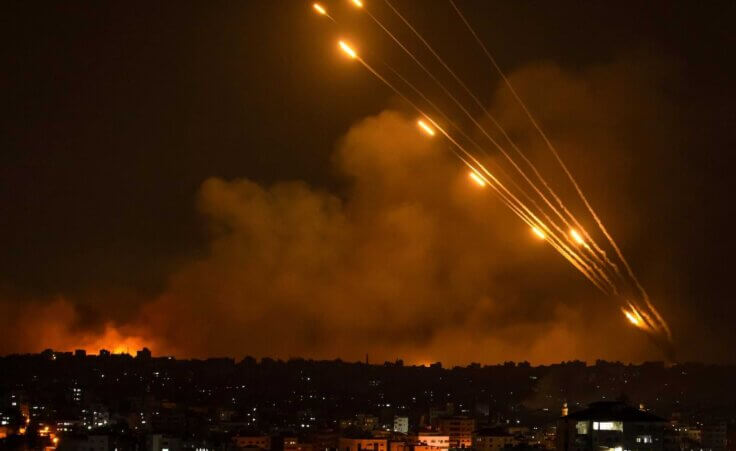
<point>613,411</point>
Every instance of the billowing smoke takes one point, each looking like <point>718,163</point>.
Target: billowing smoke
<point>413,261</point>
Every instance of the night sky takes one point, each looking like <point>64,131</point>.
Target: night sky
<point>214,178</point>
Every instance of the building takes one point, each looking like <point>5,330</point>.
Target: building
<point>95,416</point>
<point>459,429</point>
<point>433,440</point>
<point>361,421</point>
<point>289,443</point>
<point>610,425</point>
<point>714,436</point>
<point>407,446</point>
<point>493,439</point>
<point>324,440</point>
<point>362,444</point>
<point>252,441</point>
<point>160,442</point>
<point>447,410</point>
<point>401,424</point>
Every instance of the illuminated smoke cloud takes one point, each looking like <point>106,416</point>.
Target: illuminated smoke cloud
<point>414,261</point>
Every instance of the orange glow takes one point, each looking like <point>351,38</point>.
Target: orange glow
<point>539,233</point>
<point>635,317</point>
<point>423,125</point>
<point>576,236</point>
<point>348,50</point>
<point>476,178</point>
<point>632,319</point>
<point>113,339</point>
<point>55,440</point>
<point>357,3</point>
<point>320,9</point>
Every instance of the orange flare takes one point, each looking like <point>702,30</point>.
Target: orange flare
<point>347,49</point>
<point>477,179</point>
<point>538,232</point>
<point>320,9</point>
<point>576,236</point>
<point>423,125</point>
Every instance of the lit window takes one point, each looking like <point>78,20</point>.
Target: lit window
<point>608,426</point>
<point>582,427</point>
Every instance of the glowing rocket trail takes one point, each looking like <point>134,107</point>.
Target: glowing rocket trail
<point>525,214</point>
<point>500,169</point>
<point>579,191</point>
<point>427,129</point>
<point>509,199</point>
<point>595,275</point>
<point>476,178</point>
<point>539,233</point>
<point>600,260</point>
<point>322,11</point>
<point>456,101</point>
<point>598,249</point>
<point>633,319</point>
<point>477,124</point>
<point>347,49</point>
<point>590,266</point>
<point>599,255</point>
<point>576,236</point>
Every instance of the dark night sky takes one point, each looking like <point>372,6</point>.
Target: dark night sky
<point>116,113</point>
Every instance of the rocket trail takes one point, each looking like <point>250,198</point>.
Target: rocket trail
<point>579,191</point>
<point>509,198</point>
<point>590,267</point>
<point>572,245</point>
<point>477,124</point>
<point>560,246</point>
<point>551,147</point>
<point>321,10</point>
<point>352,54</point>
<point>523,192</point>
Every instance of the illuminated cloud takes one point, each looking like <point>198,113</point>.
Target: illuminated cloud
<point>412,261</point>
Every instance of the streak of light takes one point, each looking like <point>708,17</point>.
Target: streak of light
<point>632,319</point>
<point>639,318</point>
<point>320,9</point>
<point>539,233</point>
<point>476,178</point>
<point>427,129</point>
<point>470,116</point>
<point>552,149</point>
<point>576,236</point>
<point>348,50</point>
<point>508,198</point>
<point>490,138</point>
<point>357,3</point>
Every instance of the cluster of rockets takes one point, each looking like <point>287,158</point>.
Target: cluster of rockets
<point>575,244</point>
